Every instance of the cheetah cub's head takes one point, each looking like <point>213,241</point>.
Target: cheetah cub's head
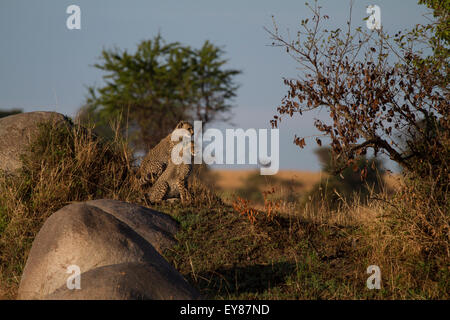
<point>187,126</point>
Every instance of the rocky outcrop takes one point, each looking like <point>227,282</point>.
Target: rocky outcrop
<point>155,227</point>
<point>114,244</point>
<point>127,281</point>
<point>17,131</point>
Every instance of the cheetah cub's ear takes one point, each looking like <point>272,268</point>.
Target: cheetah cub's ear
<point>180,124</point>
<point>185,125</point>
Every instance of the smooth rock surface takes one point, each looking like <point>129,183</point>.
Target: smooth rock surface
<point>155,227</point>
<point>127,281</point>
<point>113,243</point>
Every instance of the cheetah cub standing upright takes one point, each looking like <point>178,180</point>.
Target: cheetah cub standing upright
<point>157,159</point>
<point>172,183</point>
<point>167,179</point>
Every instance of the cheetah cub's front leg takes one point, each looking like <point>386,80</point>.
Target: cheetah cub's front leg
<point>172,184</point>
<point>152,173</point>
<point>158,191</point>
<point>184,171</point>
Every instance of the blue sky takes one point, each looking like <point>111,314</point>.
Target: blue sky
<point>45,66</point>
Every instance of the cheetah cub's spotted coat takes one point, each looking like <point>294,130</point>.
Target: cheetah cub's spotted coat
<point>157,159</point>
<point>166,179</point>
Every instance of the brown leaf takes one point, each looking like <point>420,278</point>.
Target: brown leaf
<point>319,142</point>
<point>300,142</point>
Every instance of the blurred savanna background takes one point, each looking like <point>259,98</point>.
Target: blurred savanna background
<point>364,127</point>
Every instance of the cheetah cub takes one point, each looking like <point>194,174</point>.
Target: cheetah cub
<point>165,178</point>
<point>172,183</point>
<point>157,159</point>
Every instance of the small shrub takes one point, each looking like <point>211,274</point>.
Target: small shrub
<point>242,206</point>
<point>358,180</point>
<point>271,207</point>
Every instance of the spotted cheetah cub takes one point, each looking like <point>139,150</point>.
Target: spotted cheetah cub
<point>173,182</point>
<point>157,159</point>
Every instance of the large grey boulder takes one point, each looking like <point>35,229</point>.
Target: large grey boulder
<point>155,227</point>
<point>128,281</point>
<point>114,245</point>
<point>17,131</point>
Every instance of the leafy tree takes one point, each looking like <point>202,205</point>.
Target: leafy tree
<point>380,93</point>
<point>390,95</point>
<point>160,84</point>
<point>440,27</point>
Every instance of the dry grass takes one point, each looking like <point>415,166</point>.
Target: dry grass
<point>299,250</point>
<point>307,253</point>
<point>63,165</point>
<point>288,184</point>
<point>224,251</point>
<point>304,181</point>
<point>235,179</point>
